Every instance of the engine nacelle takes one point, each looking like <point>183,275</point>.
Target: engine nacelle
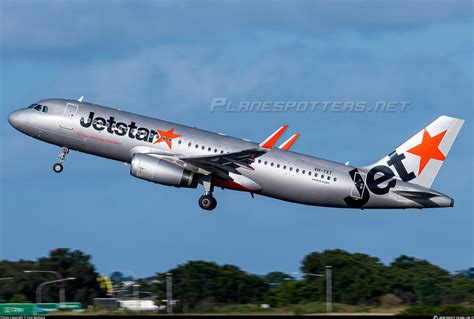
<point>162,172</point>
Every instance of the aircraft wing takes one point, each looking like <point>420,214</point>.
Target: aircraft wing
<point>222,164</point>
<point>218,164</point>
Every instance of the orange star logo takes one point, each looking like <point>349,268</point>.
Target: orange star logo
<point>428,149</point>
<point>167,137</point>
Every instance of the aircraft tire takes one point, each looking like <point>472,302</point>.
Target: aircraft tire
<point>58,168</point>
<point>207,202</point>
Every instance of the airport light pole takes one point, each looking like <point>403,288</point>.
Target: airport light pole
<point>135,295</point>
<point>328,289</point>
<point>169,293</point>
<point>41,286</point>
<point>62,288</point>
<point>328,276</point>
<point>135,290</point>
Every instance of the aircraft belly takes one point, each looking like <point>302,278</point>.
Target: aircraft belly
<point>297,188</point>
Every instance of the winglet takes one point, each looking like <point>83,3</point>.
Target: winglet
<point>289,142</point>
<point>81,99</point>
<point>272,139</point>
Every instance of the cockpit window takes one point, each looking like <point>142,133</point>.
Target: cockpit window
<point>39,108</point>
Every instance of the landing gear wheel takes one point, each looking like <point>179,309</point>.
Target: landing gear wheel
<point>207,202</point>
<point>214,203</point>
<point>58,168</point>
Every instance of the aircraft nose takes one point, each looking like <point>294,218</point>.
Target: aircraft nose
<point>15,118</point>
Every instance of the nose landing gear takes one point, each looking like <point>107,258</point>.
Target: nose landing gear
<point>58,167</point>
<point>207,201</point>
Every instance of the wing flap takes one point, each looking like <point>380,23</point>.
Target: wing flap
<point>223,164</point>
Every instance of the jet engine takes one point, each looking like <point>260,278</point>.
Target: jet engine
<point>162,172</point>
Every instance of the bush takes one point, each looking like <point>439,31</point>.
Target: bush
<point>390,300</point>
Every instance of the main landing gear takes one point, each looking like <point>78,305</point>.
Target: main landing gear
<point>58,167</point>
<point>207,201</point>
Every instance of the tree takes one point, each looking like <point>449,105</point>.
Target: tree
<point>199,284</point>
<point>357,278</point>
<point>416,280</point>
<point>116,276</point>
<point>277,277</point>
<point>295,292</point>
<point>68,263</point>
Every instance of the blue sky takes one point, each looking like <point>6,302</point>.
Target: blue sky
<point>169,60</point>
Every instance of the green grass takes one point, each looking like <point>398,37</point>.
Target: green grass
<point>454,310</point>
<point>299,309</point>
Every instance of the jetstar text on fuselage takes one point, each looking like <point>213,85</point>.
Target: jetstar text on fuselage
<point>119,128</point>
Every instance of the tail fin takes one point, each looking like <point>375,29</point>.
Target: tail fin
<point>419,159</point>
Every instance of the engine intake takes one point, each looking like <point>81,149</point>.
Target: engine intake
<point>162,172</point>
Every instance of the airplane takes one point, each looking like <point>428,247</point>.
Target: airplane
<point>181,156</point>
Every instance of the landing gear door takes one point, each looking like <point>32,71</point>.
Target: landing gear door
<point>70,112</point>
<point>358,188</point>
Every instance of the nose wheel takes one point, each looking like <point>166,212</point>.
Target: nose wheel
<point>58,167</point>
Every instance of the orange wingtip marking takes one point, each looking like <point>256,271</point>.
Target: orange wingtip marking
<point>272,139</point>
<point>289,142</point>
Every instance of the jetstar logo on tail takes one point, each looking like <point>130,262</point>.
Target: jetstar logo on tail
<point>380,179</point>
<point>131,130</point>
<point>428,149</point>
